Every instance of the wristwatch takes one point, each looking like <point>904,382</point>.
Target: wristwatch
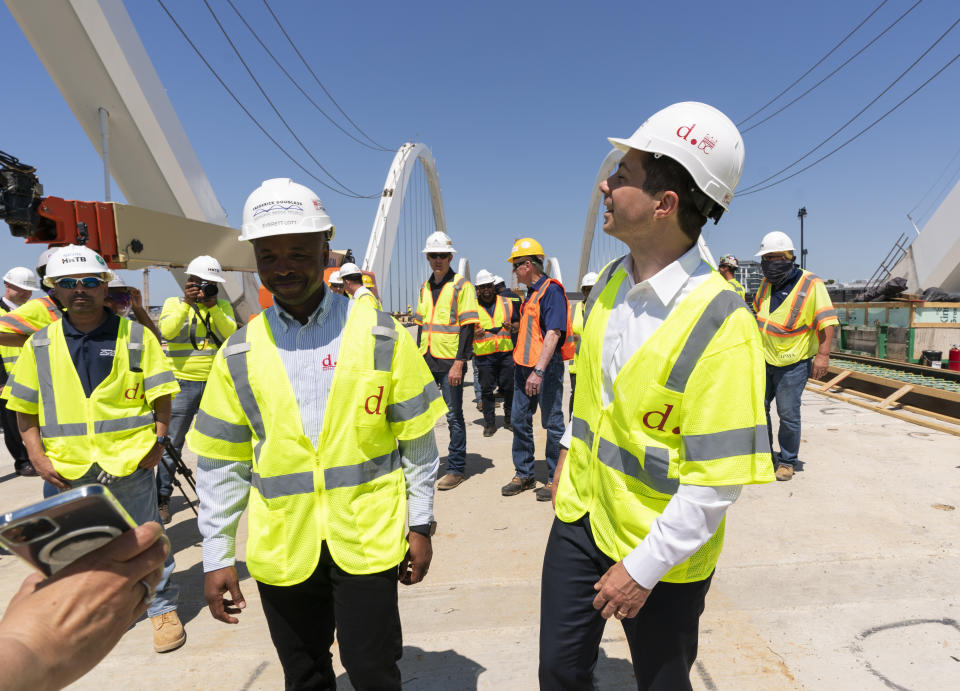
<point>538,372</point>
<point>162,440</point>
<point>426,529</point>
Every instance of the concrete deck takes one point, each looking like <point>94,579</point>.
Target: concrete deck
<point>844,578</point>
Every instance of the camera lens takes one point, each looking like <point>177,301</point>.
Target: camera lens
<point>28,531</point>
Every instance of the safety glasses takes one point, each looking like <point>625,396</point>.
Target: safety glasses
<point>517,265</point>
<point>71,283</point>
<point>433,255</point>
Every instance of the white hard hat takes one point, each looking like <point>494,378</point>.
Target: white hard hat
<point>207,268</point>
<point>775,241</point>
<point>484,277</point>
<point>439,242</point>
<point>282,207</point>
<point>498,279</point>
<point>75,259</point>
<point>45,257</point>
<point>335,279</point>
<point>589,279</point>
<point>22,277</point>
<point>701,139</point>
<point>117,282</point>
<point>349,269</point>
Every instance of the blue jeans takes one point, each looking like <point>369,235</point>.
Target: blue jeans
<point>786,385</point>
<point>185,407</point>
<point>453,397</point>
<point>137,495</point>
<point>550,400</point>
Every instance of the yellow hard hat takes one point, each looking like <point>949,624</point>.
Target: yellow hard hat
<point>526,247</point>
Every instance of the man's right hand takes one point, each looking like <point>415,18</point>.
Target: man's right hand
<point>192,294</point>
<point>44,467</point>
<point>215,584</point>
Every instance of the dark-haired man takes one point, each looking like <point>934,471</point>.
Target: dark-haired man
<point>668,419</point>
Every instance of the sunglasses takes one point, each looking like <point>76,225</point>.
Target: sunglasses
<point>517,265</point>
<point>437,256</point>
<point>86,282</point>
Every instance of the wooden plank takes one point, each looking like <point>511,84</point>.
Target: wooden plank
<point>836,380</point>
<point>906,388</point>
<point>953,430</point>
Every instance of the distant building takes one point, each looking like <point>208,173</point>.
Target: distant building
<point>749,275</point>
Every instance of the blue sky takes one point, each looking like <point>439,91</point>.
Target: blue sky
<point>515,100</point>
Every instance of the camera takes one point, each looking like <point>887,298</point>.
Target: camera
<point>208,289</point>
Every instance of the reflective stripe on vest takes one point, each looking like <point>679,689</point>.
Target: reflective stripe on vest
<point>235,356</point>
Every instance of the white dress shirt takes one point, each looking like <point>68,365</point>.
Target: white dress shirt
<point>693,514</point>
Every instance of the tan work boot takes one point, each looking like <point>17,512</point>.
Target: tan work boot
<point>784,472</point>
<point>168,632</point>
<point>451,480</point>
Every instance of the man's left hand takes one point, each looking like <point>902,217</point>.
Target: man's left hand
<point>455,376</point>
<point>415,565</point>
<point>152,458</point>
<point>618,594</point>
<point>820,364</point>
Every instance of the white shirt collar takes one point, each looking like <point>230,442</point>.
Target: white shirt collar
<point>667,282</point>
<point>289,321</point>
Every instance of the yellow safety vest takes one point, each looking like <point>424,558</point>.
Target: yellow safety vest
<point>738,288</point>
<point>456,307</point>
<point>181,328</point>
<point>687,409</point>
<point>365,295</point>
<point>576,324</point>
<point>500,342</point>
<point>789,334</point>
<point>347,488</point>
<point>115,426</point>
<point>8,353</point>
<point>30,317</point>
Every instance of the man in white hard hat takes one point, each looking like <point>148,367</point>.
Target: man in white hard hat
<point>668,419</point>
<point>728,269</point>
<point>194,327</point>
<point>319,417</point>
<point>17,326</point>
<point>493,351</point>
<point>796,319</point>
<point>18,285</point>
<point>586,285</point>
<point>446,313</point>
<point>336,283</point>
<point>352,278</point>
<point>93,395</point>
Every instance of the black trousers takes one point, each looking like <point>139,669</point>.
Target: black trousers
<point>11,436</point>
<point>362,609</point>
<point>662,637</point>
<point>495,369</point>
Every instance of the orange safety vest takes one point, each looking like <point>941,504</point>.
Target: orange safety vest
<point>526,351</point>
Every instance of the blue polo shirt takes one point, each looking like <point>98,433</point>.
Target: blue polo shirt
<point>92,352</point>
<point>553,308</point>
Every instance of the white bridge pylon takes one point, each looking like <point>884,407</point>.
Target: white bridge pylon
<point>387,222</point>
<point>610,162</point>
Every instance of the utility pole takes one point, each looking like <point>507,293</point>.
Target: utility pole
<point>145,293</point>
<point>803,252</point>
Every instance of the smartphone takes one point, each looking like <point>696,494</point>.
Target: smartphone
<point>55,532</point>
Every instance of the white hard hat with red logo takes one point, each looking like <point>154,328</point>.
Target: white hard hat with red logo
<point>280,206</point>
<point>74,260</point>
<point>701,139</point>
<point>22,277</point>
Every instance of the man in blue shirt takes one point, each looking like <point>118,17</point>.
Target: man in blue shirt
<point>538,371</point>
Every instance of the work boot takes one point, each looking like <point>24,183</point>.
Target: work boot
<point>168,632</point>
<point>489,430</point>
<point>507,425</point>
<point>784,472</point>
<point>163,506</point>
<point>26,470</point>
<point>451,480</point>
<point>545,493</point>
<point>517,485</point>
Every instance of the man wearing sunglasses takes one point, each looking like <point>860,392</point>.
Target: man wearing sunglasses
<point>446,313</point>
<point>93,395</point>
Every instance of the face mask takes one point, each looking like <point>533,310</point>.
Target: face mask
<point>776,271</point>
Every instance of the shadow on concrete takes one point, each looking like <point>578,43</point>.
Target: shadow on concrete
<point>475,465</point>
<point>613,673</point>
<point>8,476</point>
<point>433,670</point>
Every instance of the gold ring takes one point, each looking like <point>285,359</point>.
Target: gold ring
<point>621,613</point>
